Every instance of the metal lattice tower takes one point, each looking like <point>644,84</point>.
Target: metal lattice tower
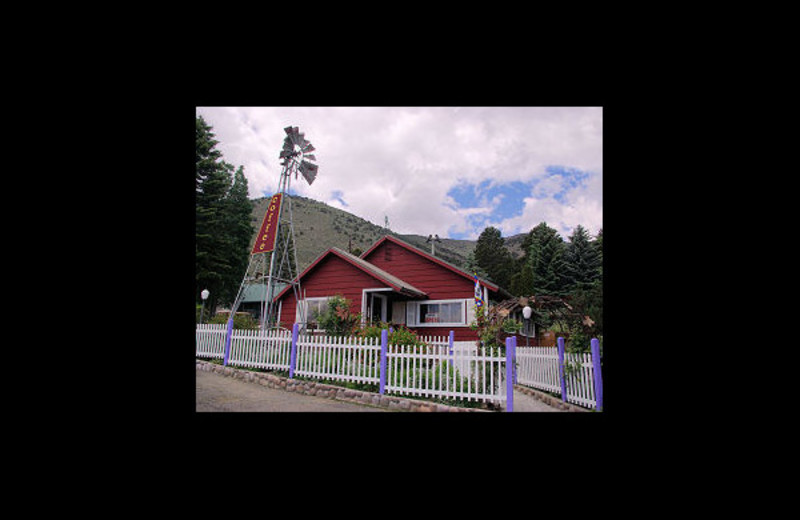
<point>276,266</point>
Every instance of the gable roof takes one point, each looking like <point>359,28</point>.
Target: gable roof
<point>389,279</point>
<point>491,285</point>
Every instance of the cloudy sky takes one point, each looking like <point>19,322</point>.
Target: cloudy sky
<point>450,171</point>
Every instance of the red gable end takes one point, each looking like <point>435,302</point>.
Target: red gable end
<point>439,279</point>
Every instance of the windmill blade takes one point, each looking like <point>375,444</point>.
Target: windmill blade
<point>295,135</point>
<point>311,157</point>
<point>309,171</point>
<point>287,144</point>
<point>309,148</point>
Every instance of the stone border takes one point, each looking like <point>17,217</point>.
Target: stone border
<point>338,393</point>
<point>549,400</point>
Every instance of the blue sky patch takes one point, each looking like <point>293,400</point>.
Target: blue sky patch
<point>501,202</point>
<point>338,195</point>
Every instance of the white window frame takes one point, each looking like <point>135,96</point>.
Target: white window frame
<point>304,303</point>
<point>384,307</point>
<point>414,307</point>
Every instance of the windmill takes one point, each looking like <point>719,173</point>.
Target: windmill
<point>273,259</point>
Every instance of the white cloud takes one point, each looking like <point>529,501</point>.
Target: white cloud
<point>402,161</point>
<point>581,205</point>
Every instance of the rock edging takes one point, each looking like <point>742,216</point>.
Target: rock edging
<point>337,393</point>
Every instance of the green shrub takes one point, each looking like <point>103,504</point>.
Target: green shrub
<point>240,320</point>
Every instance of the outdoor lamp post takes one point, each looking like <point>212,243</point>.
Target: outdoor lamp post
<point>204,295</point>
<point>526,313</point>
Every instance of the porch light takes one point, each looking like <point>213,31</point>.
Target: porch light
<point>204,295</point>
<point>526,313</point>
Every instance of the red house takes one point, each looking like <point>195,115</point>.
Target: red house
<point>394,282</point>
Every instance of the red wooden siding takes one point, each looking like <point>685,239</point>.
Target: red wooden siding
<point>330,277</point>
<point>438,282</point>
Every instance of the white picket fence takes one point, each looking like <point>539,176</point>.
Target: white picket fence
<point>428,370</point>
<point>431,371</point>
<point>538,367</point>
<point>341,359</point>
<point>256,349</point>
<point>580,383</point>
<point>210,340</point>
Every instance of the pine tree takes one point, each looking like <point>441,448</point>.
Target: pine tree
<point>471,265</point>
<point>581,261</point>
<point>237,209</point>
<point>220,220</point>
<point>493,257</point>
<point>546,261</point>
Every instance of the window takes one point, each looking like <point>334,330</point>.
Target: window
<point>314,307</point>
<point>438,313</point>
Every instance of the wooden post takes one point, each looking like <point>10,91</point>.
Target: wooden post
<point>598,374</point>
<point>561,367</point>
<point>293,355</point>
<point>509,375</point>
<point>452,335</point>
<point>384,347</point>
<point>228,341</point>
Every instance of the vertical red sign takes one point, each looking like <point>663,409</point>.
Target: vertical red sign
<point>265,241</point>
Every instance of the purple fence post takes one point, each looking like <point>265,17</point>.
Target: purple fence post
<point>509,375</point>
<point>293,355</point>
<point>228,342</point>
<point>561,365</point>
<point>452,336</point>
<point>384,347</point>
<point>598,374</point>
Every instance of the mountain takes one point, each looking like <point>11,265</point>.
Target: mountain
<point>318,227</point>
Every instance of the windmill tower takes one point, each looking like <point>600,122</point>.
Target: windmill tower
<point>273,259</point>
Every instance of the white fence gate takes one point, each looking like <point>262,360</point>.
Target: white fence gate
<point>539,367</point>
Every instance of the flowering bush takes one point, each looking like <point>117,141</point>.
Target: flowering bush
<point>338,319</point>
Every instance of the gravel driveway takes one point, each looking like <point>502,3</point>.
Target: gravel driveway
<point>217,393</point>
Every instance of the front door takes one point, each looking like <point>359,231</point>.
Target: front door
<point>377,307</point>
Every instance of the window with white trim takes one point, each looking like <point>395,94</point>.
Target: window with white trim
<point>438,313</point>
<point>314,308</point>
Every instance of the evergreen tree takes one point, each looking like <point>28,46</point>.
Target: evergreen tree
<point>472,266</point>
<point>581,261</point>
<point>221,221</point>
<point>546,261</point>
<point>493,257</point>
<point>598,246</point>
<point>522,277</point>
<point>237,209</point>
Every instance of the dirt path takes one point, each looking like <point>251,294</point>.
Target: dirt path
<point>525,403</point>
<point>217,393</point>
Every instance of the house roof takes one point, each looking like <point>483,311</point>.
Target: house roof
<point>389,279</point>
<point>491,285</point>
